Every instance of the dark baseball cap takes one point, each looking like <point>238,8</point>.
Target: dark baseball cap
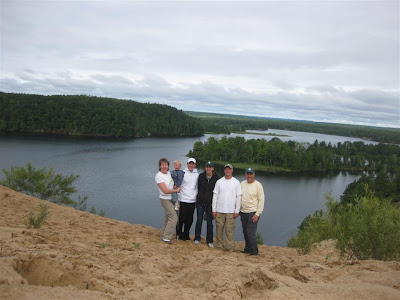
<point>250,170</point>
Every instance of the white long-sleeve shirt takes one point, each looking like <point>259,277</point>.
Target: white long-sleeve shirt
<point>227,196</point>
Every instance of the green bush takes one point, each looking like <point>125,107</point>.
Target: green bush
<point>37,221</point>
<point>41,183</point>
<point>314,229</point>
<point>46,185</point>
<point>368,228</point>
<point>260,240</point>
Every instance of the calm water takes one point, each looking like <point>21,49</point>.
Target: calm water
<point>118,177</point>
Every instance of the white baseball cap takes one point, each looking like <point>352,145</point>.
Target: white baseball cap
<point>191,160</point>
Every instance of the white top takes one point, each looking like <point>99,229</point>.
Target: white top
<point>227,198</point>
<point>169,183</point>
<point>189,186</point>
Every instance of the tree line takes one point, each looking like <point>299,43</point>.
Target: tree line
<point>293,156</point>
<point>223,123</point>
<point>93,116</point>
<point>385,185</point>
<point>98,116</point>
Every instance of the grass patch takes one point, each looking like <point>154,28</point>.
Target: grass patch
<point>260,240</point>
<point>37,221</point>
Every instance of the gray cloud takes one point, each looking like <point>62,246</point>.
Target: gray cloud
<point>321,60</point>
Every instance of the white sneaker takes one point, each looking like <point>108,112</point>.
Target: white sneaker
<point>196,242</point>
<point>210,245</point>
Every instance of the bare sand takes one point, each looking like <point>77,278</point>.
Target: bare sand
<point>78,255</point>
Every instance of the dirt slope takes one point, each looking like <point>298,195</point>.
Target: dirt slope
<point>78,255</point>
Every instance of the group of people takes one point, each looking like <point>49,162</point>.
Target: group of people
<point>222,199</point>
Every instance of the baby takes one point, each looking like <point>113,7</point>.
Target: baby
<point>177,176</point>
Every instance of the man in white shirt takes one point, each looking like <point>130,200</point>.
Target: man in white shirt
<point>187,200</point>
<point>252,207</point>
<point>225,208</point>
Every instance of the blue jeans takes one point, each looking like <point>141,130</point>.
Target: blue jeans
<point>201,210</point>
<point>174,197</point>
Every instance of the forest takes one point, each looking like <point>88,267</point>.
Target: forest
<point>385,185</point>
<point>93,116</point>
<point>292,156</point>
<point>223,123</point>
<point>108,117</point>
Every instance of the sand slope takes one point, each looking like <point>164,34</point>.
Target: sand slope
<point>78,255</point>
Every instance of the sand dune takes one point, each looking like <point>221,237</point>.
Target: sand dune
<point>78,255</point>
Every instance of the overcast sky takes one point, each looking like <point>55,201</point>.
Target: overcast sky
<point>333,61</point>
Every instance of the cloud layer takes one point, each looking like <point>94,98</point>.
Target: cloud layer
<point>333,61</point>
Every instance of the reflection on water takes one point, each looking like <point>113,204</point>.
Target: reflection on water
<point>118,177</point>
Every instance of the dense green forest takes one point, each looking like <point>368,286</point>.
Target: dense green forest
<point>222,123</point>
<point>292,156</point>
<point>93,116</point>
<point>385,185</point>
<point>96,116</point>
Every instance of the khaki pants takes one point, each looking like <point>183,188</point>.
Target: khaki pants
<point>227,222</point>
<point>170,220</point>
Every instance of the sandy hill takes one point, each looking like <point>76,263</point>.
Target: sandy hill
<point>78,255</point>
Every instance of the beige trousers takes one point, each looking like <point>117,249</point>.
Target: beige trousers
<point>170,219</point>
<point>227,222</point>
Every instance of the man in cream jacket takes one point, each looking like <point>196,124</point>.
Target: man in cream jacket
<point>251,208</point>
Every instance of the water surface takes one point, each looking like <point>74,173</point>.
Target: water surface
<point>117,175</point>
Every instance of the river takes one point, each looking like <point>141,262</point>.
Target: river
<point>117,175</point>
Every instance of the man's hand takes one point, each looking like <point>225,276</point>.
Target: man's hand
<point>235,215</point>
<point>255,218</point>
<point>214,215</point>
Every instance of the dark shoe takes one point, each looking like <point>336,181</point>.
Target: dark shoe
<point>186,238</point>
<point>245,251</point>
<point>253,254</point>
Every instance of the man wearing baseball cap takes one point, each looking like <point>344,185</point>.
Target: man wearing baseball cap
<point>225,208</point>
<point>252,206</point>
<point>187,199</point>
<point>206,184</point>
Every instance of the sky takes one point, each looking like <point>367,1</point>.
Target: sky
<point>321,60</point>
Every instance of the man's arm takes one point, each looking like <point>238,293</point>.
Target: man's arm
<point>261,200</point>
<point>214,205</point>
<point>237,206</point>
